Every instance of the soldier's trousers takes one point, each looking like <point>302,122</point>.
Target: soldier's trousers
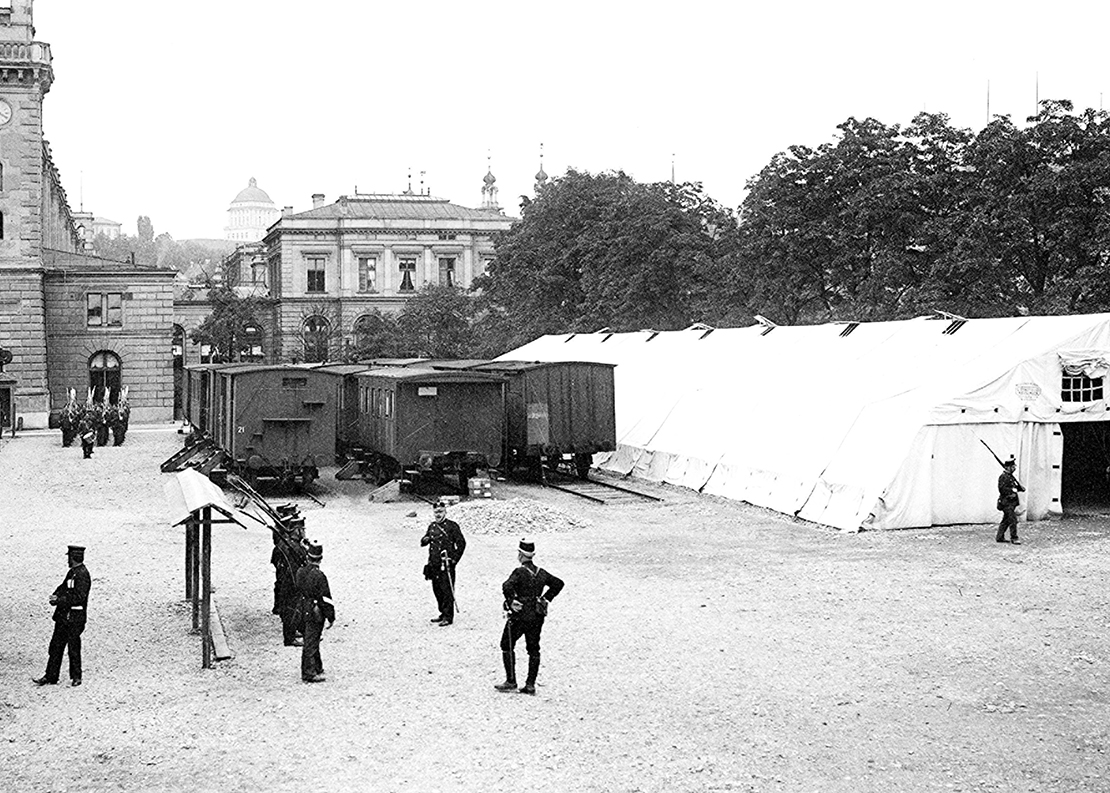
<point>311,662</point>
<point>441,588</point>
<point>1009,521</point>
<point>529,629</point>
<point>66,634</point>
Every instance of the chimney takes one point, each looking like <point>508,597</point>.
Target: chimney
<point>286,211</point>
<point>317,200</point>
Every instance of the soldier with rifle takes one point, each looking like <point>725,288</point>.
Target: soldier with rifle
<point>1008,489</point>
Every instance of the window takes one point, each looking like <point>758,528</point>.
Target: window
<point>388,404</point>
<point>367,273</point>
<point>447,271</point>
<point>1080,388</point>
<point>1,225</point>
<point>316,282</point>
<point>407,266</point>
<point>317,332</point>
<point>294,382</point>
<point>104,310</point>
<point>258,273</point>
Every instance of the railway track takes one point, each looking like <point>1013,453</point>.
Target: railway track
<point>596,490</point>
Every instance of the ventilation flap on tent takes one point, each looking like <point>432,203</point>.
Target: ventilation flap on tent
<point>1092,363</point>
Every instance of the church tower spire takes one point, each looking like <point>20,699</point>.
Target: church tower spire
<point>489,189</point>
<point>541,175</point>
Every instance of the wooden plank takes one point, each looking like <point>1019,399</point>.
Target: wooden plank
<point>220,649</point>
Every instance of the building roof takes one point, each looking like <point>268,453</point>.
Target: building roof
<point>252,193</point>
<point>64,260</point>
<point>398,207</point>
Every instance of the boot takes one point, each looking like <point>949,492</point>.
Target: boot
<point>533,667</point>
<point>509,660</point>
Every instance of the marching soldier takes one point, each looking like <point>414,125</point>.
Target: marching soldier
<point>1008,489</point>
<point>316,606</point>
<point>528,591</point>
<point>446,544</point>
<point>70,601</point>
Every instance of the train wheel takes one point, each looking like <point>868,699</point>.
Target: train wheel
<point>582,465</point>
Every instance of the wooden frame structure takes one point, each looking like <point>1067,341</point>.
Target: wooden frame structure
<point>199,504</point>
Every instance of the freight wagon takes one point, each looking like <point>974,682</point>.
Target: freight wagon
<point>441,423</point>
<point>274,421</point>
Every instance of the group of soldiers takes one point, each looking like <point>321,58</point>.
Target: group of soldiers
<point>302,596</point>
<point>93,422</point>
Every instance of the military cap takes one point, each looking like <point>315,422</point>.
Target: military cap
<point>314,552</point>
<point>76,553</point>
<point>527,549</point>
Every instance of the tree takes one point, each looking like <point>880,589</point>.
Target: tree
<point>436,322</point>
<point>233,329</point>
<point>603,250</point>
<point>375,336</point>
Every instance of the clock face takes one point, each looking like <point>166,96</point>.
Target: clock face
<point>5,112</point>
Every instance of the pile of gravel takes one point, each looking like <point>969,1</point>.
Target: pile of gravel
<point>512,516</point>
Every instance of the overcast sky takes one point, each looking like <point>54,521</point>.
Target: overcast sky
<point>167,108</point>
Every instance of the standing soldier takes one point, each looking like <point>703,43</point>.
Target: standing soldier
<point>316,606</point>
<point>1008,489</point>
<point>86,429</point>
<point>285,564</point>
<point>446,544</point>
<point>525,606</point>
<point>70,601</point>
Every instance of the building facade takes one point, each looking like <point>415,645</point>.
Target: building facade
<point>70,320</point>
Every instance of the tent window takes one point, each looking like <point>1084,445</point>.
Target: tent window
<point>1080,389</point>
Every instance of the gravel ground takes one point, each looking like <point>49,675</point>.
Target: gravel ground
<point>700,645</point>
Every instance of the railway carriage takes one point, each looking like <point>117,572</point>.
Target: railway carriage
<point>274,421</point>
<point>416,418</point>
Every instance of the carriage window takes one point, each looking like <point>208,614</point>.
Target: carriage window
<point>294,382</point>
<point>388,404</point>
<point>1080,388</point>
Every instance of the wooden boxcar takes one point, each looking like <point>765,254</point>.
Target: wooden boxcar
<point>447,422</point>
<point>274,421</point>
<point>197,395</point>
<point>556,409</point>
<point>346,402</point>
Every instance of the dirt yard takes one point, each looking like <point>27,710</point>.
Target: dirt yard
<point>699,645</point>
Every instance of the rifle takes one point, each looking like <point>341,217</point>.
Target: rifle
<point>995,456</point>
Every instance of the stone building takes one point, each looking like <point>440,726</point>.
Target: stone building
<point>71,320</point>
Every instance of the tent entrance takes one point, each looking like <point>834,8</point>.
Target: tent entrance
<point>1085,479</point>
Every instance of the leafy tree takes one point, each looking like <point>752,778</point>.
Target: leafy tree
<point>145,229</point>
<point>375,336</point>
<point>436,322</point>
<point>233,328</point>
<point>604,250</point>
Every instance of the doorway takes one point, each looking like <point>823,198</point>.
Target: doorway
<point>1085,473</point>
<point>104,377</point>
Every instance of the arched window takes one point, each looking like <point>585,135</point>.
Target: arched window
<point>317,331</point>
<point>105,376</point>
<point>250,343</point>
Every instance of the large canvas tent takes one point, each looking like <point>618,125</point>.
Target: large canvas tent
<point>862,425</point>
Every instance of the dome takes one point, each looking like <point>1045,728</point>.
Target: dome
<point>489,178</point>
<point>541,176</point>
<point>252,193</point>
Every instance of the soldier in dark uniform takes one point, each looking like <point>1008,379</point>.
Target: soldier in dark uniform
<point>317,607</point>
<point>286,562</point>
<point>528,591</point>
<point>86,430</point>
<point>70,601</point>
<point>446,544</point>
<point>1008,489</point>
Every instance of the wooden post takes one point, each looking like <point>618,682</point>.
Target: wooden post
<point>190,542</point>
<point>194,570</point>
<point>206,588</point>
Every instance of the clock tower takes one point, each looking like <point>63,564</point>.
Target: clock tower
<point>25,187</point>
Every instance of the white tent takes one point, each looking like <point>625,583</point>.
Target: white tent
<point>869,425</point>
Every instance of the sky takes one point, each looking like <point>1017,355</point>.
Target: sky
<point>167,109</point>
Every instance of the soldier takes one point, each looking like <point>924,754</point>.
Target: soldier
<point>1008,489</point>
<point>285,565</point>
<point>525,607</point>
<point>316,606</point>
<point>70,601</point>
<point>446,544</point>
<point>88,435</point>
